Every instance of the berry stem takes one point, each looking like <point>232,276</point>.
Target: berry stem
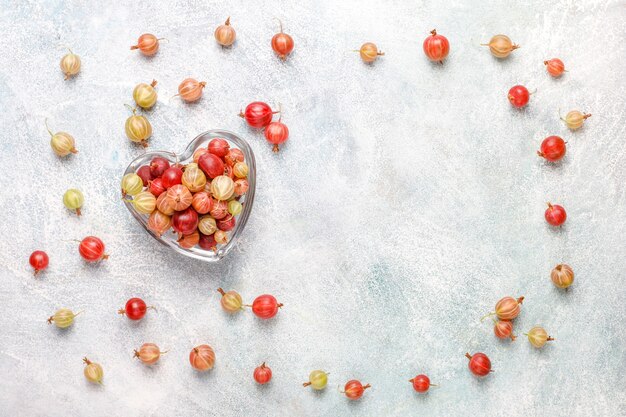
<point>221,291</point>
<point>468,356</point>
<point>306,384</point>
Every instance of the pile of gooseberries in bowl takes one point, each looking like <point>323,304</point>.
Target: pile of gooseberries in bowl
<point>196,202</point>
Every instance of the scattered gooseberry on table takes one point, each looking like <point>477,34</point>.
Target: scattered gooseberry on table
<point>62,143</point>
<point>503,329</point>
<point>230,301</point>
<point>225,34</point>
<point>282,43</point>
<point>555,215</point>
<point>135,309</point>
<point>63,318</point>
<point>518,96</point>
<point>73,199</point>
<point>145,95</point>
<point>562,276</point>
<point>538,337</point>
<point>93,371</point>
<point>354,389</point>
<point>436,47</point>
<point>148,353</point>
<point>138,128</point>
<point>70,64</point>
<point>202,358</point>
<point>190,89</point>
<point>257,114</point>
<point>575,119</point>
<point>479,364</point>
<point>369,52</point>
<point>265,306</point>
<point>262,374</point>
<point>317,380</point>
<point>421,383</point>
<point>39,261</point>
<point>507,308</point>
<point>276,133</point>
<point>501,46</point>
<point>91,249</point>
<point>552,148</point>
<point>555,67</point>
<point>148,44</point>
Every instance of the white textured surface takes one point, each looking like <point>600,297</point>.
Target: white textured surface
<point>407,202</point>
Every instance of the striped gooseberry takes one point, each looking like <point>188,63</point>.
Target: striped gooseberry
<point>207,225</point>
<point>148,44</point>
<point>257,114</point>
<point>164,205</point>
<point>241,186</point>
<point>193,178</point>
<point>234,155</point>
<point>145,174</point>
<point>265,306</point>
<point>145,95</point>
<point>555,67</point>
<point>190,89</point>
<point>39,261</point>
<point>220,237</point>
<point>507,308</point>
<point>212,165</point>
<point>63,318</point>
<point>436,47</point>
<point>282,43</point>
<point>144,202</point>
<point>132,184</point>
<point>421,383</point>
<point>91,249</point>
<point>219,210</point>
<point>156,187</point>
<point>552,148</point>
<point>562,276</point>
<point>555,215</point>
<point>158,165</point>
<point>354,389</point>
<point>135,309</point>
<point>190,240</point>
<point>479,364</point>
<point>172,176</point>
<point>276,133</point>
<point>138,128</point>
<point>575,119</point>
<point>185,222</point>
<point>501,46</point>
<point>70,64</point>
<point>73,199</point>
<point>207,242</point>
<point>230,301</point>
<point>518,96</point>
<point>235,207</point>
<point>148,353</point>
<point>538,337</point>
<point>262,374</point>
<point>317,380</point>
<point>202,202</point>
<point>227,223</point>
<point>202,358</point>
<point>503,329</point>
<point>93,371</point>
<point>159,223</point>
<point>369,52</point>
<point>179,197</point>
<point>240,170</point>
<point>62,143</point>
<point>219,147</point>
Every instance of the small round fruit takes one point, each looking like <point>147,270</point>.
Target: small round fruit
<point>231,301</point>
<point>555,215</point>
<point>555,67</point>
<point>479,364</point>
<point>552,148</point>
<point>562,276</point>
<point>538,337</point>
<point>38,260</point>
<point>503,329</point>
<point>575,119</point>
<point>63,318</point>
<point>262,374</point>
<point>354,389</point>
<point>202,358</point>
<point>134,309</point>
<point>519,96</point>
<point>93,371</point>
<point>421,383</point>
<point>148,353</point>
<point>265,306</point>
<point>317,380</point>
<point>91,249</point>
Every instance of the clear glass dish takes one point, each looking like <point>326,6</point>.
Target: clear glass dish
<point>169,238</point>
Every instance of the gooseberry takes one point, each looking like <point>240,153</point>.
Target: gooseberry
<point>555,215</point>
<point>156,187</point>
<point>276,133</point>
<point>233,156</point>
<point>138,128</point>
<point>202,358</point>
<point>212,165</point>
<point>436,47</point>
<point>134,309</point>
<point>369,52</point>
<point>198,153</point>
<point>93,371</point>
<point>222,187</point>
<point>207,242</point>
<point>265,306</point>
<point>507,308</point>
<point>240,170</point>
<point>190,240</point>
<point>62,143</point>
<point>70,64</point>
<point>518,96</point>
<point>190,90</point>
<point>164,205</point>
<point>63,318</point>
<point>235,207</point>
<point>91,249</point>
<point>207,225</point>
<point>231,301</point>
<point>555,67</point>
<point>193,178</point>
<point>479,364</point>
<point>421,383</point>
<point>219,147</point>
<point>219,210</point>
<point>148,44</point>
<point>172,176</point>
<point>575,119</point>
<point>132,184</point>
<point>538,337</point>
<point>158,165</point>
<point>38,260</point>
<point>185,222</point>
<point>227,223</point>
<point>145,174</point>
<point>562,276</point>
<point>282,43</point>
<point>144,202</point>
<point>257,114</point>
<point>317,380</point>
<point>202,202</point>
<point>148,353</point>
<point>159,222</point>
<point>501,46</point>
<point>262,374</point>
<point>73,199</point>
<point>503,329</point>
<point>225,34</point>
<point>354,389</point>
<point>145,95</point>
<point>220,237</point>
<point>241,186</point>
<point>552,148</point>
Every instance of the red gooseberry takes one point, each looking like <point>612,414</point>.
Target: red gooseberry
<point>202,202</point>
<point>479,364</point>
<point>145,174</point>
<point>518,96</point>
<point>354,389</point>
<point>185,222</point>
<point>92,249</point>
<point>503,329</point>
<point>38,260</point>
<point>219,147</point>
<point>172,176</point>
<point>265,306</point>
<point>282,43</point>
<point>234,155</point>
<point>148,44</point>
<point>207,242</point>
<point>262,374</point>
<point>257,114</point>
<point>156,187</point>
<point>202,358</point>
<point>436,47</point>
<point>421,383</point>
<point>134,309</point>
<point>507,308</point>
<point>276,133</point>
<point>555,67</point>
<point>555,215</point>
<point>211,164</point>
<point>227,223</point>
<point>158,165</point>
<point>552,148</point>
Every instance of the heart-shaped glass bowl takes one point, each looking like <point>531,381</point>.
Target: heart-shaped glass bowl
<point>169,238</point>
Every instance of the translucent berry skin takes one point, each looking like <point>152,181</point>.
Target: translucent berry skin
<point>555,215</point>
<point>265,306</point>
<point>158,165</point>
<point>257,114</point>
<point>552,148</point>
<point>479,364</point>
<point>171,177</point>
<point>436,47</point>
<point>262,374</point>
<point>421,383</point>
<point>202,358</point>
<point>503,329</point>
<point>38,260</point>
<point>555,67</point>
<point>519,96</point>
<point>135,309</point>
<point>354,389</point>
<point>92,249</point>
